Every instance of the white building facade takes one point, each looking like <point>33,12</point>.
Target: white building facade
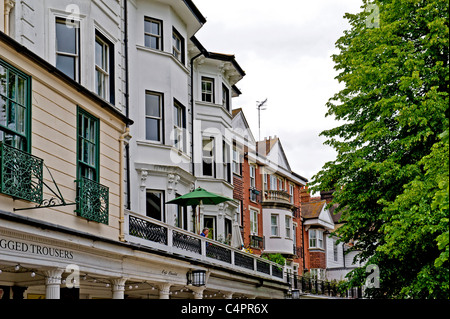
<point>140,60</point>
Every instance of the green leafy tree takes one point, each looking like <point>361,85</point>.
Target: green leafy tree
<point>391,169</point>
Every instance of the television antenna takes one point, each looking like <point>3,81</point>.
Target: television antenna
<point>261,107</point>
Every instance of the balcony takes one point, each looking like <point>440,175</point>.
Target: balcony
<point>20,174</point>
<point>257,242</point>
<point>277,198</point>
<point>155,234</point>
<point>92,201</point>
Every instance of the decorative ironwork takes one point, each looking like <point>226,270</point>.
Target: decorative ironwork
<point>257,242</point>
<point>277,271</point>
<point>21,174</point>
<point>187,242</point>
<point>147,230</point>
<point>263,267</point>
<point>218,252</point>
<point>93,201</point>
<point>243,261</point>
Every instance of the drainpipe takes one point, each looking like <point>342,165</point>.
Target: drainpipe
<point>192,111</point>
<point>127,100</point>
<point>125,136</point>
<point>303,243</point>
<point>122,140</point>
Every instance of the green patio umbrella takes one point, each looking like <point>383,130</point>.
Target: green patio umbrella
<point>197,197</point>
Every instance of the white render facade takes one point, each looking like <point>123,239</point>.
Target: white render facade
<point>149,79</point>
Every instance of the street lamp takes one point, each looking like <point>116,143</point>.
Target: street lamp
<point>196,277</point>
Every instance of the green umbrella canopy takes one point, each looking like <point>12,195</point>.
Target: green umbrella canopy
<point>199,195</point>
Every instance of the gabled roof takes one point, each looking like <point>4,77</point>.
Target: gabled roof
<point>312,209</point>
<point>224,58</point>
<point>316,213</point>
<point>239,122</point>
<point>272,149</point>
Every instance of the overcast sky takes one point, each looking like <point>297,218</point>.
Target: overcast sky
<point>285,48</point>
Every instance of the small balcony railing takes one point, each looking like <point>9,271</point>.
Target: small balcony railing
<point>20,174</point>
<point>277,196</point>
<point>152,233</point>
<point>257,242</point>
<point>93,201</point>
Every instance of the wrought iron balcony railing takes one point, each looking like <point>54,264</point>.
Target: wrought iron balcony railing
<point>257,242</point>
<point>93,201</point>
<point>20,174</point>
<point>150,232</point>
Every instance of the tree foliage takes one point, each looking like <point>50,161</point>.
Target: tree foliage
<point>391,170</point>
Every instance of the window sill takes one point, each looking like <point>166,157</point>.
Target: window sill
<point>165,54</point>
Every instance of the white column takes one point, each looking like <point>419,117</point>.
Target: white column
<point>164,290</point>
<point>53,283</point>
<point>228,295</point>
<point>198,292</point>
<point>118,288</point>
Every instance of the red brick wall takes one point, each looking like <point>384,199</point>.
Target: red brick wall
<point>317,259</point>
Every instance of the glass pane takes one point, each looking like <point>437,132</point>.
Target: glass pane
<point>153,205</point>
<point>100,83</point>
<point>66,39</point>
<point>21,90</point>
<point>12,86</point>
<point>208,148</point>
<point>99,53</point>
<point>66,64</point>
<point>152,105</point>
<point>3,75</point>
<point>12,116</point>
<point>3,106</point>
<point>154,28</point>
<point>86,149</point>
<point>152,129</point>
<point>20,119</point>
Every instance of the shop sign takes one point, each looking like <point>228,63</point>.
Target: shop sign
<point>35,249</point>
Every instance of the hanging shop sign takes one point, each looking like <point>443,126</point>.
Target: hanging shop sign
<point>35,249</point>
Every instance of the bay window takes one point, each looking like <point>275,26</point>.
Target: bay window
<point>315,238</point>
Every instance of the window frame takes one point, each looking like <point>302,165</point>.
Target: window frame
<point>275,226</point>
<point>226,103</point>
<point>80,164</point>
<point>162,203</point>
<point>288,226</point>
<point>211,157</point>
<point>205,93</point>
<point>76,24</point>
<point>159,118</point>
<point>226,161</point>
<point>291,191</point>
<point>160,37</point>
<point>237,166</point>
<point>179,128</point>
<point>254,221</point>
<point>26,105</point>
<point>317,239</point>
<point>109,94</point>
<point>335,250</point>
<point>273,182</point>
<point>178,53</point>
